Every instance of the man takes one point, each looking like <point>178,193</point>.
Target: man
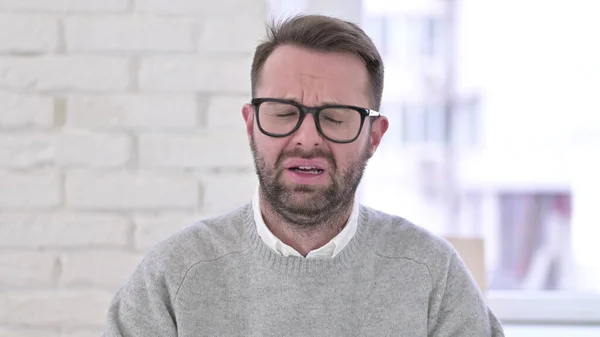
<point>304,258</point>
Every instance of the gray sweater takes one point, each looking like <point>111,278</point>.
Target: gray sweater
<point>218,278</point>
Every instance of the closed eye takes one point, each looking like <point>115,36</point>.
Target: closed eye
<point>284,115</point>
<point>331,120</point>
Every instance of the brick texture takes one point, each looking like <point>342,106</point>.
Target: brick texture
<point>214,74</point>
<point>120,124</point>
<point>203,8</point>
<point>69,308</point>
<point>40,189</point>
<point>74,148</point>
<point>82,332</point>
<point>97,268</point>
<point>129,34</point>
<point>71,6</point>
<point>88,149</point>
<point>228,191</point>
<point>22,150</point>
<point>133,112</point>
<point>28,332</point>
<point>150,229</point>
<point>225,113</point>
<point>76,73</point>
<point>213,28</point>
<point>27,269</point>
<point>63,229</point>
<point>26,111</point>
<point>133,191</point>
<point>36,33</point>
<point>206,150</point>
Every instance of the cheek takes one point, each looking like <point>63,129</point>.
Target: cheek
<point>346,157</point>
<point>269,148</point>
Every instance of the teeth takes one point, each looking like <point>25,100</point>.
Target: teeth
<point>309,171</point>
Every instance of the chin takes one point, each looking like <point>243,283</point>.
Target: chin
<point>293,187</point>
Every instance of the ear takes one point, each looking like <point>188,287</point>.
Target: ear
<point>248,115</point>
<point>380,126</point>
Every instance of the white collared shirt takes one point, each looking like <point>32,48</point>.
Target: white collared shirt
<point>330,250</point>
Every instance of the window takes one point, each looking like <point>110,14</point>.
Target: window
<point>541,240</point>
<point>466,123</point>
<point>406,38</point>
<point>535,270</point>
<point>535,250</point>
<point>424,124</point>
<point>413,124</point>
<point>375,27</point>
<point>436,124</point>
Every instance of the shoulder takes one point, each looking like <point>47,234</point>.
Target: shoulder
<point>159,276</point>
<point>206,240</point>
<point>455,302</point>
<point>392,236</point>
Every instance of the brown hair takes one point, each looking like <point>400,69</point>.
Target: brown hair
<point>322,33</point>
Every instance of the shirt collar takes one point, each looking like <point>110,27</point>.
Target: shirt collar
<point>329,250</point>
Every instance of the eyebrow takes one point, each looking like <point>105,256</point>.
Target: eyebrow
<point>329,102</point>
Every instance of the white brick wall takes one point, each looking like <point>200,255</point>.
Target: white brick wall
<point>30,111</point>
<point>37,33</point>
<point>97,268</point>
<point>120,124</point>
<point>28,332</point>
<point>126,33</point>
<point>51,307</point>
<point>57,230</point>
<point>23,150</point>
<point>61,6</point>
<point>130,191</point>
<point>153,227</point>
<point>84,148</point>
<point>212,74</point>
<point>68,148</point>
<point>212,30</point>
<point>69,73</point>
<point>225,112</point>
<point>31,189</point>
<point>27,269</point>
<point>133,112</point>
<point>81,332</point>
<point>222,8</point>
<point>220,200</point>
<point>195,151</point>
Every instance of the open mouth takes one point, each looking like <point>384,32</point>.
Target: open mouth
<point>306,169</point>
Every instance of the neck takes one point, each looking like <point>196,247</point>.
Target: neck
<point>304,239</point>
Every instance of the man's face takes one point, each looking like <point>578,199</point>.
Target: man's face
<point>306,196</point>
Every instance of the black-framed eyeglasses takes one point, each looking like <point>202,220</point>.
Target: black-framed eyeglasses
<point>337,123</point>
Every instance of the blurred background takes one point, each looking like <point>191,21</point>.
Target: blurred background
<point>120,124</point>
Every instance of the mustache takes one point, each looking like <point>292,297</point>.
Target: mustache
<point>315,153</point>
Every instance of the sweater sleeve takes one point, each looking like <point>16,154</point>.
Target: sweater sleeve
<point>143,306</point>
<point>458,307</point>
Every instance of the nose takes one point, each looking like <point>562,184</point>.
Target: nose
<point>307,134</point>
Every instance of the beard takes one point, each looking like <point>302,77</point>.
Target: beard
<point>307,206</point>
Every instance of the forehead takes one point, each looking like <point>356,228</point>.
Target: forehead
<point>313,77</point>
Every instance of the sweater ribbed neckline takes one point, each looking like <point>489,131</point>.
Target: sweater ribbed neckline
<point>299,266</point>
